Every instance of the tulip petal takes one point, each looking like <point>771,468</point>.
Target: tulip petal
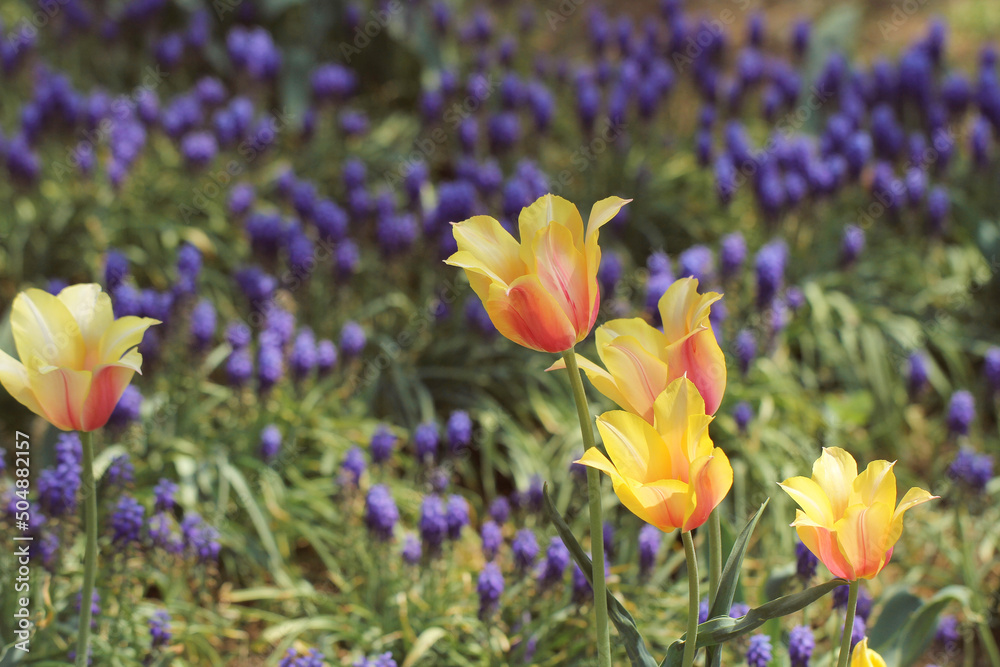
<point>45,331</point>
<point>91,308</point>
<point>602,212</point>
<point>700,358</point>
<point>545,210</point>
<point>14,378</point>
<point>593,458</point>
<point>683,311</point>
<point>600,378</point>
<point>915,496</point>
<point>663,503</point>
<point>485,246</point>
<point>835,471</point>
<point>641,376</point>
<point>862,535</point>
<point>876,484</point>
<point>862,656</point>
<point>822,542</point>
<point>634,446</point>
<point>649,337</point>
<point>528,315</point>
<point>105,391</point>
<point>693,349</point>
<point>673,412</point>
<point>643,501</point>
<point>562,272</point>
<point>124,334</point>
<point>711,479</point>
<point>811,498</point>
<point>61,393</point>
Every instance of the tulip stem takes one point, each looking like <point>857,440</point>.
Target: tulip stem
<point>714,555</point>
<point>596,513</point>
<point>90,559</point>
<point>845,639</point>
<point>694,600</point>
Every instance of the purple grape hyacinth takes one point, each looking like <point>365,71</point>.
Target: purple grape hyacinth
<point>381,514</point>
<point>961,412</point>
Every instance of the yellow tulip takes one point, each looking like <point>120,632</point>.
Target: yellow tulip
<point>541,293</point>
<point>669,474</point>
<point>641,360</point>
<point>865,657</point>
<point>850,521</point>
<point>76,358</point>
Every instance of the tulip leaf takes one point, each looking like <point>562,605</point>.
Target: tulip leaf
<point>779,579</point>
<point>635,646</point>
<point>722,629</point>
<point>730,578</point>
<point>907,646</point>
<point>895,613</point>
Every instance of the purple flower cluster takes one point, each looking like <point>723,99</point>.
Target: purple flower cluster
<point>971,470</point>
<point>381,660</point>
<point>58,486</point>
<point>801,644</point>
<point>759,651</point>
<point>311,658</point>
<point>490,588</point>
<point>381,514</point>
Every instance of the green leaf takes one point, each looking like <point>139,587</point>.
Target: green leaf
<point>778,580</point>
<point>723,629</point>
<point>635,646</point>
<point>896,611</point>
<point>424,642</point>
<point>919,630</point>
<point>731,576</point>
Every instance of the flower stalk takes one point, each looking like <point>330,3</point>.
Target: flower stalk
<point>596,513</point>
<point>694,600</point>
<point>90,557</point>
<point>714,555</point>
<point>845,639</point>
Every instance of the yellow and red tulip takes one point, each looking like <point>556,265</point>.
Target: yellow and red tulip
<point>866,657</point>
<point>541,293</point>
<point>641,360</point>
<point>667,473</point>
<point>76,358</point>
<point>849,521</point>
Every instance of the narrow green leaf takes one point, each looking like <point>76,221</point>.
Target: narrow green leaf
<point>778,580</point>
<point>895,613</point>
<point>723,629</point>
<point>635,646</point>
<point>424,642</point>
<point>919,631</point>
<point>731,576</point>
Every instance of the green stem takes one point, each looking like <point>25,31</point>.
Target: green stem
<point>487,471</point>
<point>845,639</point>
<point>969,575</point>
<point>694,600</point>
<point>714,555</point>
<point>596,513</point>
<point>90,559</point>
